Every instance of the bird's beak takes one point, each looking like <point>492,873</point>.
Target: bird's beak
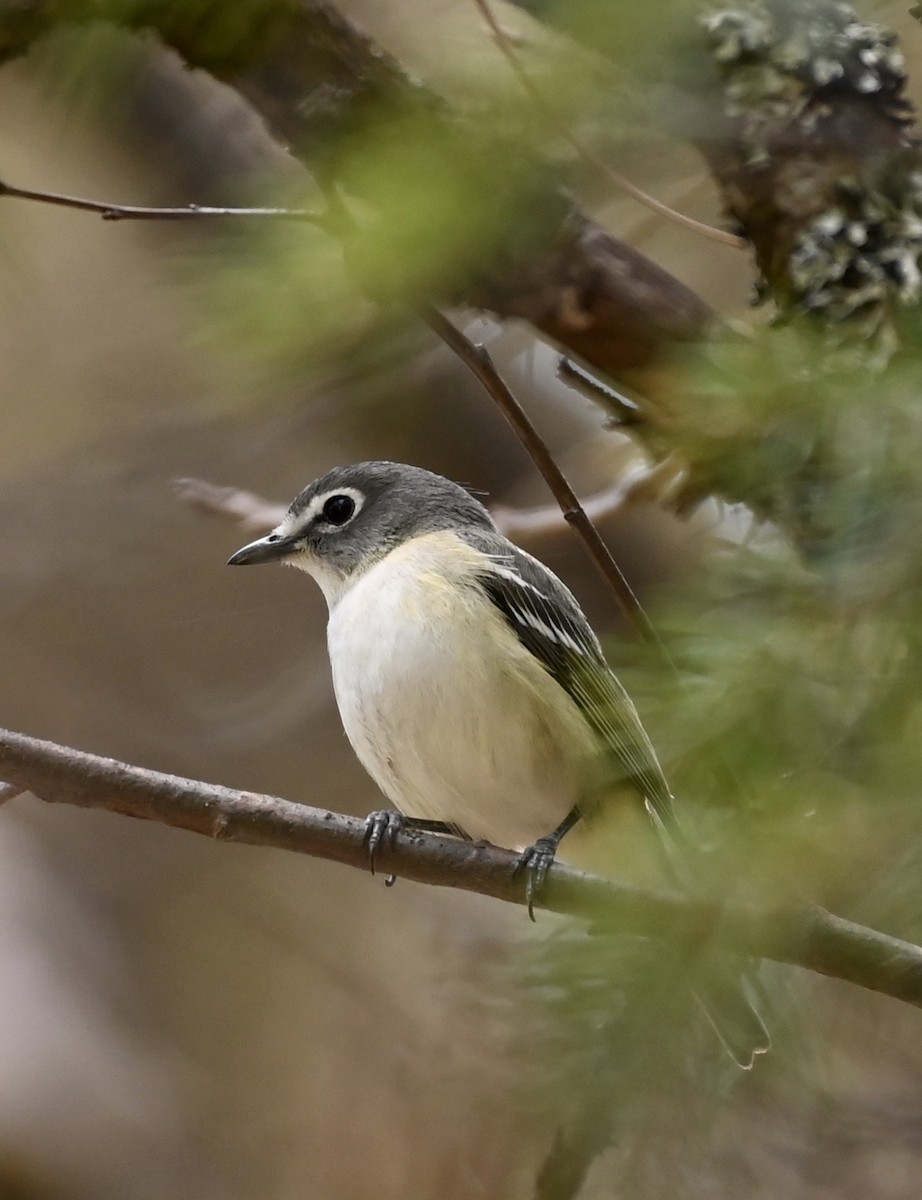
<point>267,549</point>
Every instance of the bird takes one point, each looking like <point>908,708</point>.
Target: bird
<point>470,684</point>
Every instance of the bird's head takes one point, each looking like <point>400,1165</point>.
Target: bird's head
<point>348,519</point>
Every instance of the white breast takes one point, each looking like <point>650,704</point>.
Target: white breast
<point>450,729</point>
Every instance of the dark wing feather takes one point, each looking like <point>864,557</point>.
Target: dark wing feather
<point>550,624</point>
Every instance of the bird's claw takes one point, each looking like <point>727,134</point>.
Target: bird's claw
<point>382,828</point>
<point>536,861</point>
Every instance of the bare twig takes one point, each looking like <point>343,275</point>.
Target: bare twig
<point>506,48</point>
<point>134,212</point>
<point>804,935</point>
<point>478,360</point>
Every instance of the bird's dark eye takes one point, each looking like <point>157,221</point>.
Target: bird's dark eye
<point>338,509</point>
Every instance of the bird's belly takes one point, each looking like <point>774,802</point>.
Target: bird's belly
<point>488,742</point>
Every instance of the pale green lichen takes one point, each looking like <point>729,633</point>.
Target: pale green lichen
<point>852,265</point>
<point>774,57</point>
<point>783,68</point>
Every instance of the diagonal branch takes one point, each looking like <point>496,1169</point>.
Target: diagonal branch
<point>478,361</point>
<point>803,935</point>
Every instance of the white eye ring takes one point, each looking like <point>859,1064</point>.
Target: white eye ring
<point>336,508</point>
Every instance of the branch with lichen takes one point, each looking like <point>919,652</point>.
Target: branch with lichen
<point>803,935</point>
<point>811,141</point>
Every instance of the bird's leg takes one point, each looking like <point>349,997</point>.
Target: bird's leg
<point>384,826</point>
<point>537,859</point>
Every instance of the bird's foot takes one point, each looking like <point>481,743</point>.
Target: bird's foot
<point>536,861</point>
<point>382,828</point>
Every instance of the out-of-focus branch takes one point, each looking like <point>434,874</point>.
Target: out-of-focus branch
<point>643,481</point>
<point>804,121</point>
<point>801,113</point>
<point>256,515</point>
<point>805,935</point>
<point>253,514</point>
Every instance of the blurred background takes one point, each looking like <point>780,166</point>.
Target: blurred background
<point>182,1018</point>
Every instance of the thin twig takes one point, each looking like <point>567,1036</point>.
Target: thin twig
<point>477,359</point>
<point>804,935</point>
<point>134,212</point>
<point>508,51</point>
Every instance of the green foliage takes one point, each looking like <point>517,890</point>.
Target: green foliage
<point>790,732</point>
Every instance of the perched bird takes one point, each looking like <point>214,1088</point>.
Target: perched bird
<point>469,682</point>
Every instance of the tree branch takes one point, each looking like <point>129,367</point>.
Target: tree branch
<point>801,112</point>
<point>805,935</point>
<point>642,481</point>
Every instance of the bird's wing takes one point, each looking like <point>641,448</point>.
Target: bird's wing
<point>550,624</point>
